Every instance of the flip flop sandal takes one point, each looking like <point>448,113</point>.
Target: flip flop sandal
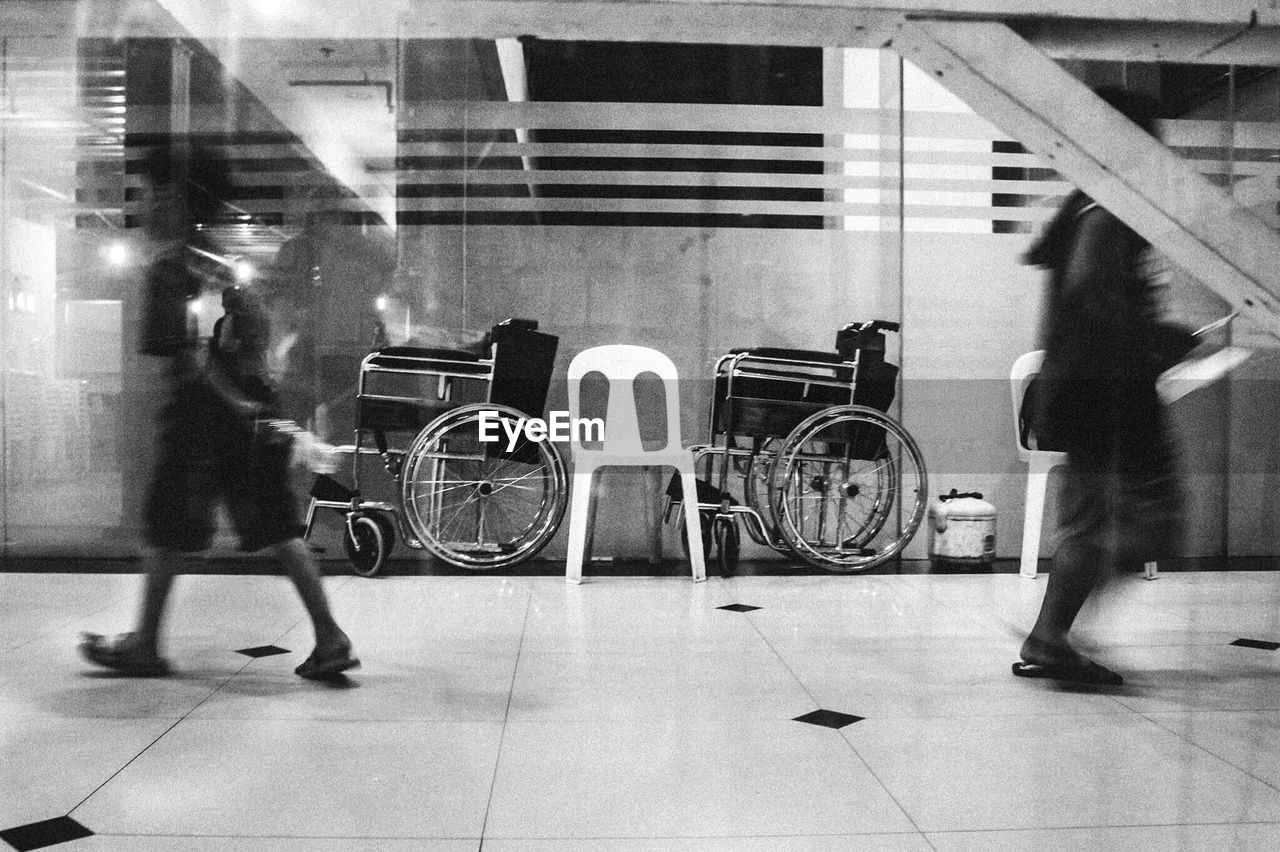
<point>122,654</point>
<point>1088,672</point>
<point>328,667</point>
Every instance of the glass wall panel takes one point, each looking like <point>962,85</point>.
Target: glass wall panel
<point>379,189</point>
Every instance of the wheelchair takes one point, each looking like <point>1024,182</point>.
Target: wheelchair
<point>475,504</point>
<point>822,473</point>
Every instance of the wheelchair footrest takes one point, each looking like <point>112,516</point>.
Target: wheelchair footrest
<point>327,488</point>
<point>707,493</point>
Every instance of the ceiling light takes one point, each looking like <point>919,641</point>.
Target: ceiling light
<point>117,254</point>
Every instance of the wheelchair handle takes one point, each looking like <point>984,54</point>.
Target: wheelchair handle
<point>875,325</point>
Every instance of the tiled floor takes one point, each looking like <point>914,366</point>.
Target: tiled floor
<point>518,713</point>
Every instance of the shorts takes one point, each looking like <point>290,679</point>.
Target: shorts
<point>208,454</point>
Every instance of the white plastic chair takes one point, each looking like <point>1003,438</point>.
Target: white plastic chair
<point>1039,463</point>
<point>622,446</point>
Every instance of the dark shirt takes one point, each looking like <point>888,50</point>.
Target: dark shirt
<point>1104,344</point>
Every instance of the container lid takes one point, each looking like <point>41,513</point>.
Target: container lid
<point>964,506</point>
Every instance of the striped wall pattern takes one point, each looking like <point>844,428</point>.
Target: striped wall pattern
<point>698,165</point>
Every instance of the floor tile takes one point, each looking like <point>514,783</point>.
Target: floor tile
<point>211,613</point>
<point>37,604</point>
<point>825,718</point>
<point>1116,769</point>
<point>304,779</point>
<point>624,615</point>
<point>48,766</point>
<point>48,677</point>
<point>823,613</point>
<point>1197,677</point>
<point>914,677</point>
<point>630,714</point>
<point>1146,838</point>
<point>470,613</point>
<point>620,780</point>
<point>699,684</point>
<point>43,834</point>
<point>406,679</point>
<point>1246,740</point>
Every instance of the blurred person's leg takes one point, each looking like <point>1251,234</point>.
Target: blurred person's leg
<point>179,518</point>
<point>159,569</point>
<point>264,511</point>
<point>138,653</point>
<point>298,563</point>
<point>1080,563</point>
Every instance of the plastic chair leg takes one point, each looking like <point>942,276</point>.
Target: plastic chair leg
<point>693,524</point>
<point>1032,522</point>
<point>580,505</point>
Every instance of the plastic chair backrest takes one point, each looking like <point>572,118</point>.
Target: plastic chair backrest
<point>621,364</point>
<point>1020,376</point>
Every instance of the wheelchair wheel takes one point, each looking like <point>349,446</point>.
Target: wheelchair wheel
<point>476,504</point>
<point>848,489</point>
<point>366,546</point>
<point>756,495</point>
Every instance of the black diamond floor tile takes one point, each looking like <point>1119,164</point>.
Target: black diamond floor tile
<point>263,651</point>
<point>49,832</point>
<point>738,607</point>
<point>828,719</point>
<point>1257,643</point>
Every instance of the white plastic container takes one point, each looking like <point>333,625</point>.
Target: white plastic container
<point>962,531</point>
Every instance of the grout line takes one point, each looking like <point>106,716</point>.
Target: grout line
<point>248,662</point>
<point>844,738</point>
<point>575,837</point>
<point>1093,827</point>
<point>852,748</point>
<point>506,715</point>
<point>1147,716</point>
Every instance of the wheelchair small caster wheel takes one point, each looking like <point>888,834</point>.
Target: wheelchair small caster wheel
<point>388,527</point>
<point>366,545</point>
<point>728,543</point>
<point>705,519</point>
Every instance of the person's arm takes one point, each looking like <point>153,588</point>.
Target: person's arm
<point>239,402</point>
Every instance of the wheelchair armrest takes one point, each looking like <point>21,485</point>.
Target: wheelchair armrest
<point>809,355</point>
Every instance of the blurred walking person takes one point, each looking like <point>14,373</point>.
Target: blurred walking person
<point>219,440</point>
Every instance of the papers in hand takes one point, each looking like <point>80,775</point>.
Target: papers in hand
<point>313,454</point>
<point>1185,376</point>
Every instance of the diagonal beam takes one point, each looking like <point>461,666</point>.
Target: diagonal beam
<point>1195,224</point>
